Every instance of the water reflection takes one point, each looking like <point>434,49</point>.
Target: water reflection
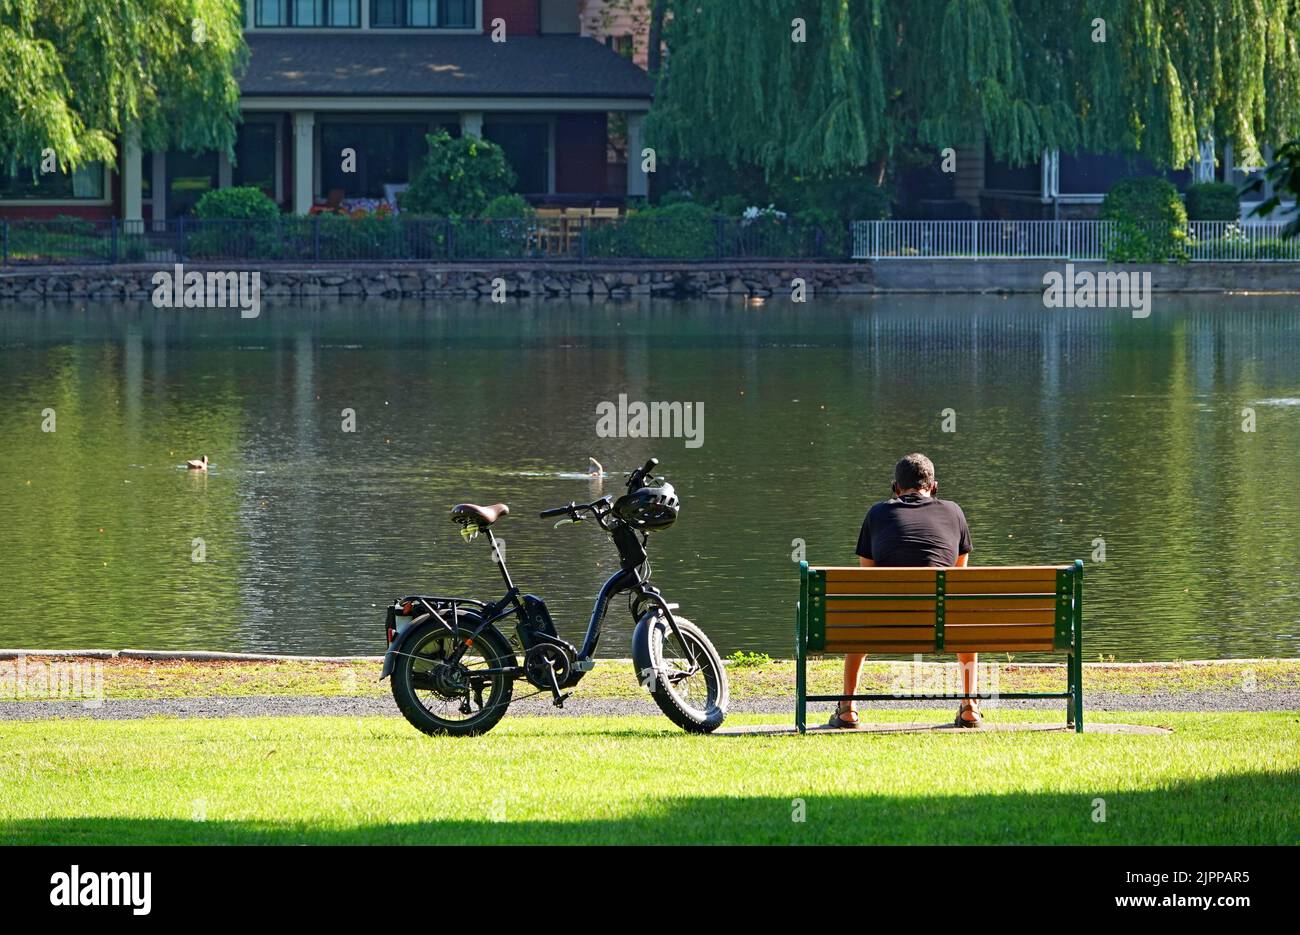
<point>1072,426</point>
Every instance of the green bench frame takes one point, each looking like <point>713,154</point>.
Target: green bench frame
<point>1056,612</point>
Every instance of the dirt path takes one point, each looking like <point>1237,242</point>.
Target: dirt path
<point>353,706</point>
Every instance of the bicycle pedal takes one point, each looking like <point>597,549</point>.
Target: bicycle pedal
<point>561,699</point>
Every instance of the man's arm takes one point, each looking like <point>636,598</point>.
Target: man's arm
<point>868,562</point>
<point>962,560</point>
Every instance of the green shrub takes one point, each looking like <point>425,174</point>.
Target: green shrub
<point>508,206</point>
<point>683,230</point>
<point>243,203</point>
<point>1213,201</point>
<point>1150,221</point>
<point>848,197</point>
<point>459,177</point>
<point>234,222</point>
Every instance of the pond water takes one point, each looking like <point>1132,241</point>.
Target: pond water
<point>1071,427</point>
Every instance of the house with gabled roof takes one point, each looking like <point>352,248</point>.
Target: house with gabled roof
<point>339,95</point>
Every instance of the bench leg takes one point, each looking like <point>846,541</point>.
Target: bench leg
<point>1076,690</point>
<point>801,692</point>
<point>1069,690</point>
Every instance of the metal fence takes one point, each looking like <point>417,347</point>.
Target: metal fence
<point>329,238</point>
<point>1062,240</point>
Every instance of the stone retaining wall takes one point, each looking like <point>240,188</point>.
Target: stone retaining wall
<point>680,280</point>
<point>393,281</point>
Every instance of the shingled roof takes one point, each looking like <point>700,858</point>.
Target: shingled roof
<point>438,66</point>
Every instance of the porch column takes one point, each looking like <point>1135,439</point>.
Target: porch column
<point>304,131</point>
<point>225,172</point>
<point>471,123</point>
<point>132,178</point>
<point>638,183</point>
<point>158,189</point>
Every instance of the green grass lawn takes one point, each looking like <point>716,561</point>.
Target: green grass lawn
<point>1226,778</point>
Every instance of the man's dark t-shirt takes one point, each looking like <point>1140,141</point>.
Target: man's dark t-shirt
<point>914,530</point>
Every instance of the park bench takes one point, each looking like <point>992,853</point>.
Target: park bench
<point>1020,609</point>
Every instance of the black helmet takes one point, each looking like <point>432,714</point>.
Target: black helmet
<point>648,507</point>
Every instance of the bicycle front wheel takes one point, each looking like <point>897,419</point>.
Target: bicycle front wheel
<point>685,676</point>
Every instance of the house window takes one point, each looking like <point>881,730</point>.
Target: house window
<point>559,17</point>
<point>527,145</point>
<point>623,45</point>
<point>422,14</point>
<point>387,154</point>
<point>83,184</point>
<point>314,14</point>
<point>190,176</point>
<point>255,157</point>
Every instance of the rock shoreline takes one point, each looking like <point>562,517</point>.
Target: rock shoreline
<point>399,281</point>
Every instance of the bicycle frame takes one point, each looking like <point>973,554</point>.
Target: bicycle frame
<point>623,581</point>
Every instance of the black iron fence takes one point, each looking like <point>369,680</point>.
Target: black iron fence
<point>328,238</point>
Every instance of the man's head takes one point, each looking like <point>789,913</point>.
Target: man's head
<point>914,473</point>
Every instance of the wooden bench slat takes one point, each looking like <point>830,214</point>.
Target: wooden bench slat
<point>959,634</point>
<point>844,604</point>
<point>999,646</point>
<point>997,617</point>
<point>912,570</point>
<point>1003,573</point>
<point>880,574</point>
<point>880,587</point>
<point>868,635</point>
<point>881,618</point>
<point>987,604</point>
<point>905,648</point>
<point>1001,587</point>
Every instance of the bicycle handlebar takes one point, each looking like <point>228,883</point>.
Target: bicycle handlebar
<point>559,511</point>
<point>637,477</point>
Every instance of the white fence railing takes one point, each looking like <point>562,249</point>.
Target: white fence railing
<point>1058,240</point>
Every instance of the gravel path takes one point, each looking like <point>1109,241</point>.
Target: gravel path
<point>280,706</point>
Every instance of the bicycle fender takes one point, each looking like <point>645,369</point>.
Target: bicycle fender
<point>398,646</point>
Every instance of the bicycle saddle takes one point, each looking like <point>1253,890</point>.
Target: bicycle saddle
<point>481,516</point>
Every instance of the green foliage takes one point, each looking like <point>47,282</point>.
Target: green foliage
<point>684,230</point>
<point>1212,201</point>
<point>1284,173</point>
<point>459,177</point>
<point>224,228</point>
<point>876,78</point>
<point>239,203</point>
<point>79,74</point>
<point>1150,219</point>
<point>837,199</point>
<point>508,206</point>
<point>746,660</point>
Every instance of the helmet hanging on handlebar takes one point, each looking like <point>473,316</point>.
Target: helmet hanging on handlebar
<point>648,507</point>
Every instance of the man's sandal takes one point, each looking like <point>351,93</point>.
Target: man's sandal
<point>977,721</point>
<point>838,721</point>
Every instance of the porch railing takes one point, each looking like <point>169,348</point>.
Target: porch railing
<point>1223,241</point>
<point>339,239</point>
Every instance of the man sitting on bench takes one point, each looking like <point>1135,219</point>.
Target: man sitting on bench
<point>913,528</point>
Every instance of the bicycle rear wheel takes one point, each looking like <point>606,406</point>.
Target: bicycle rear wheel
<point>442,697</point>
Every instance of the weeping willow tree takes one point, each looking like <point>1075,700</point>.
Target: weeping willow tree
<point>79,74</point>
<point>874,78</point>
